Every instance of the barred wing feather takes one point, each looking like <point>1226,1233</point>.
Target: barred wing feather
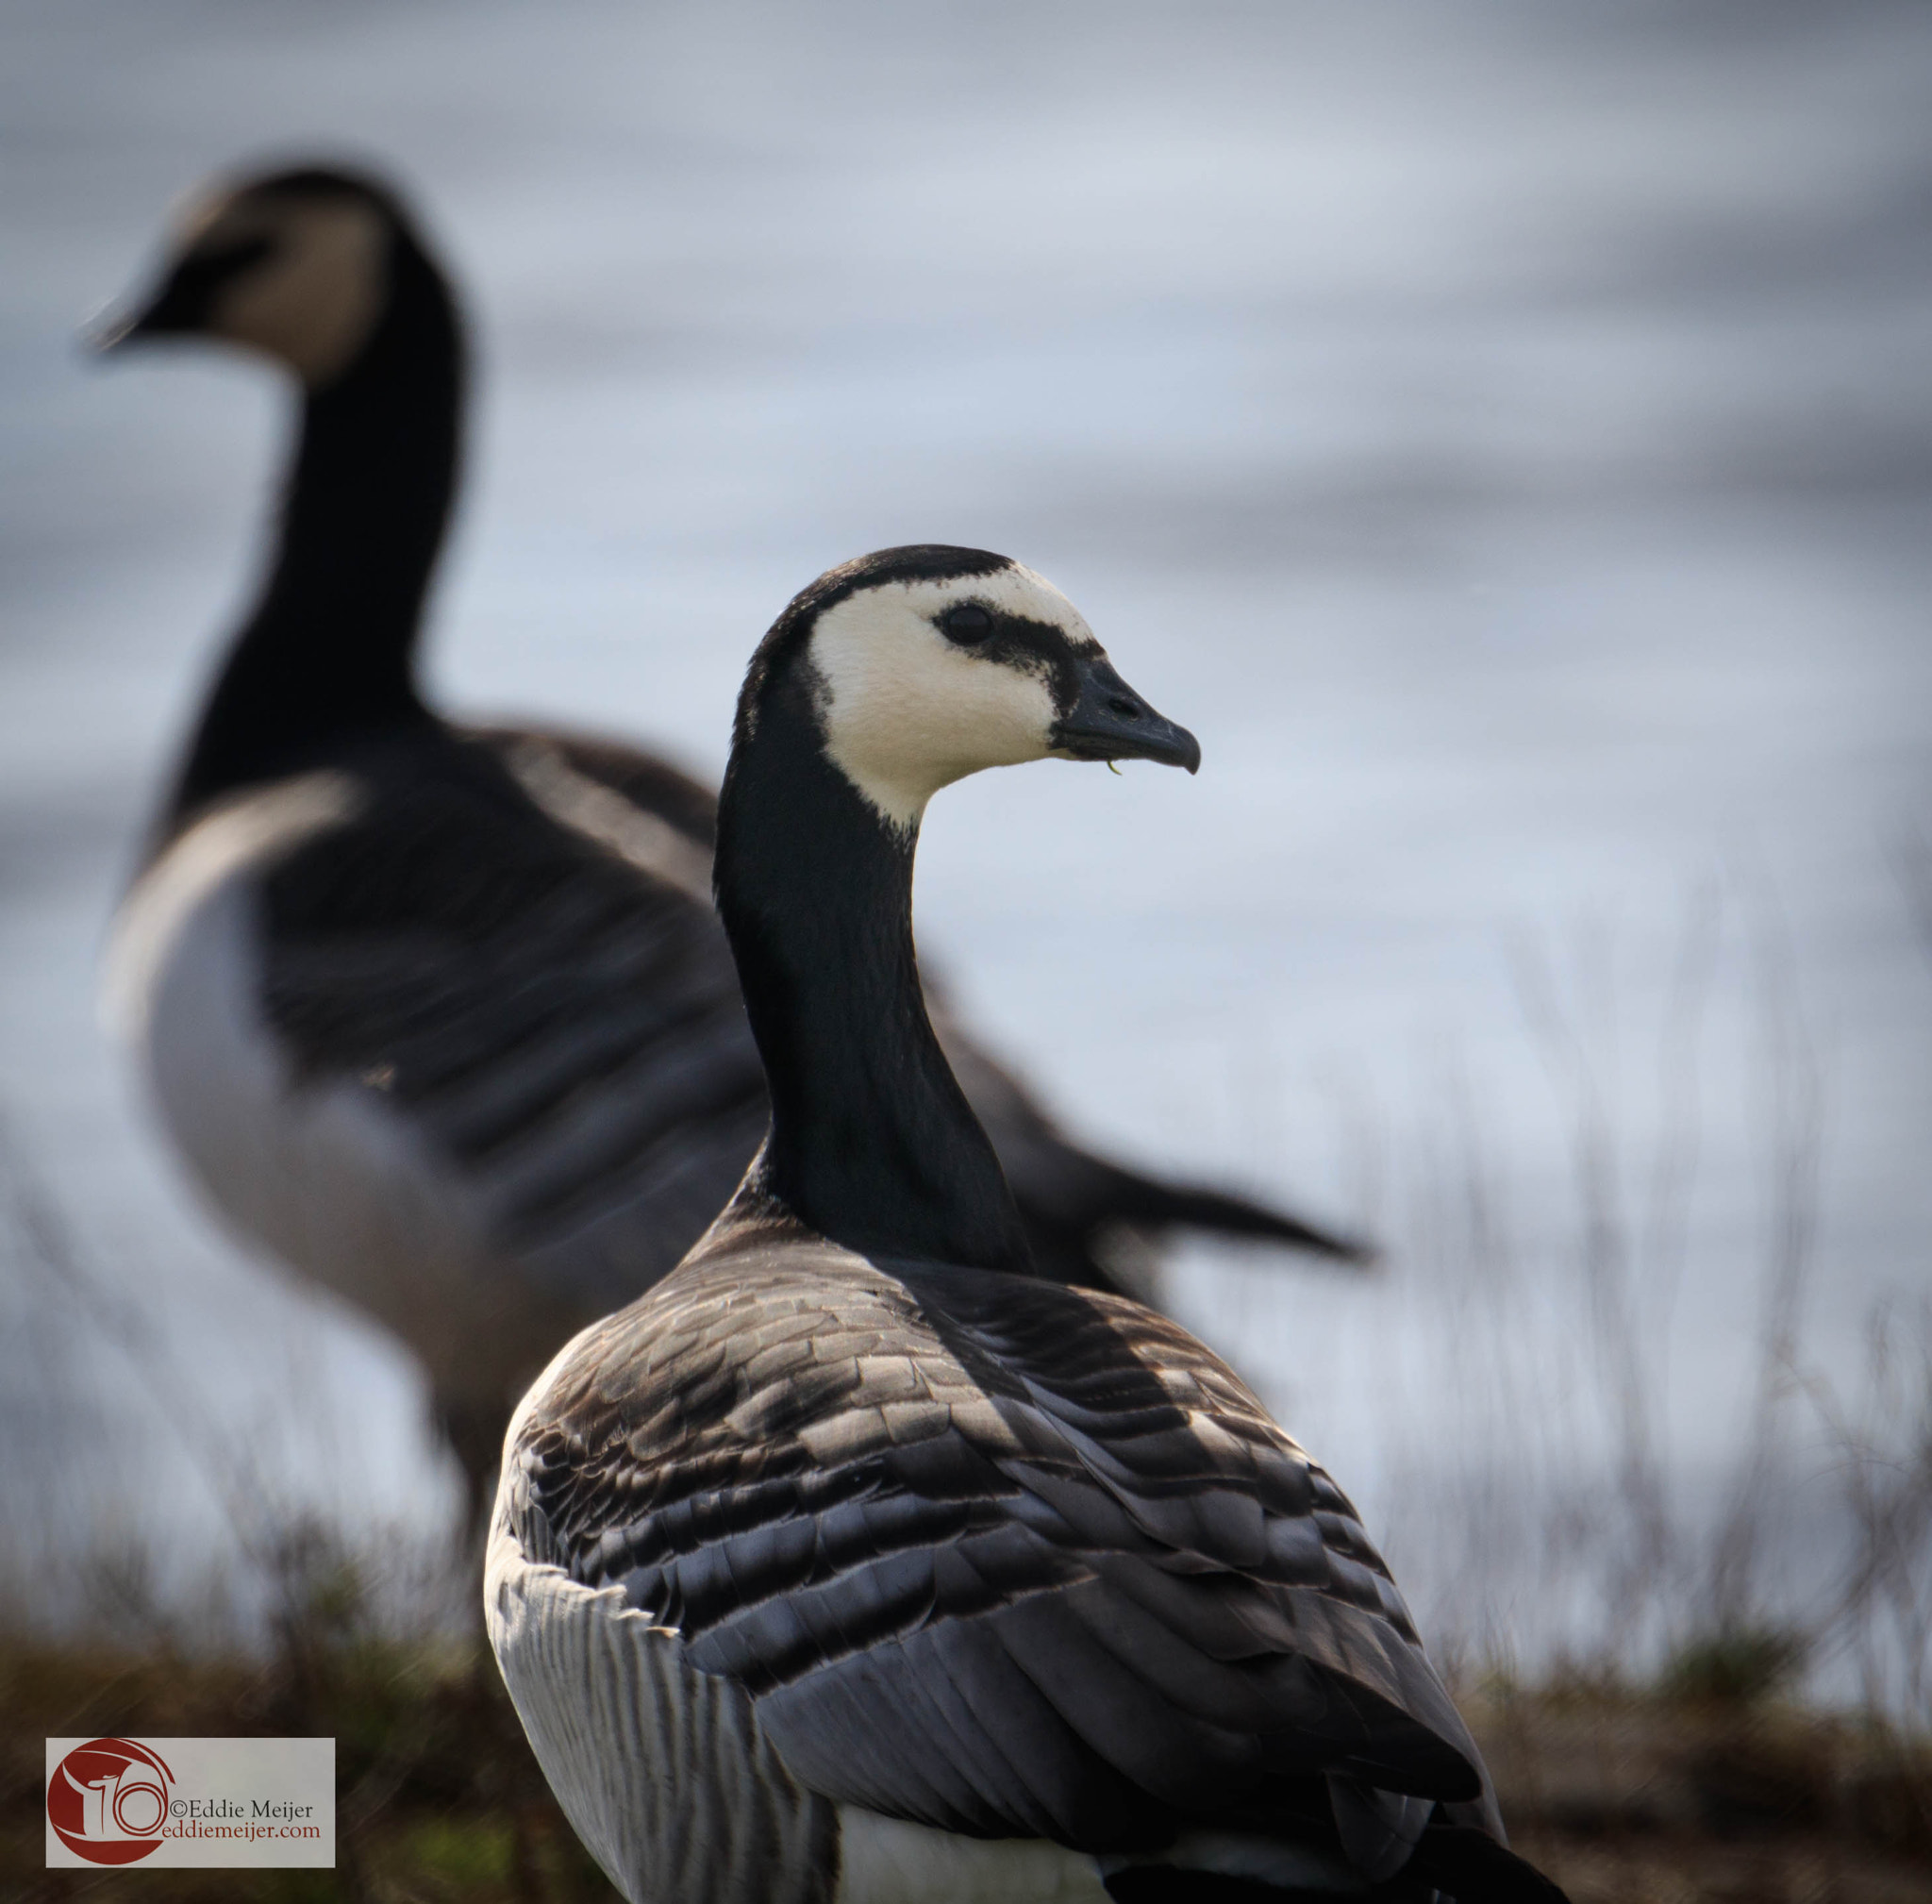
<point>561,1021</point>
<point>987,1552</point>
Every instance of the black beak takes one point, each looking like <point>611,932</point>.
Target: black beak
<point>179,308</point>
<point>1109,722</point>
<point>176,309</point>
<point>185,301</point>
<point>113,330</point>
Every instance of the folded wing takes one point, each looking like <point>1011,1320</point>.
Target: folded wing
<point>987,1553</point>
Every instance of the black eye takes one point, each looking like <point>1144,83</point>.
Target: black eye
<point>967,624</point>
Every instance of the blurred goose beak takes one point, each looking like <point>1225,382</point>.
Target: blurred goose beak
<point>184,302</point>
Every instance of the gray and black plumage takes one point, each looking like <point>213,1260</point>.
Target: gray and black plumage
<point>859,1562</point>
<point>443,1017</point>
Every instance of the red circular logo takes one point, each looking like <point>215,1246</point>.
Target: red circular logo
<point>108,1801</point>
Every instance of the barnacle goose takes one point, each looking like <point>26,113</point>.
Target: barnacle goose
<point>442,1017</point>
<point>856,1563</point>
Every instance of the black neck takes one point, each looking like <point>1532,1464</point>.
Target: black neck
<point>329,651</point>
<point>873,1144</point>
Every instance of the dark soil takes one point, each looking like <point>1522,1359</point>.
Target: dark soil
<point>1628,1799</point>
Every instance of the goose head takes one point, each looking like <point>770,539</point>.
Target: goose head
<point>922,665</point>
<point>297,265</point>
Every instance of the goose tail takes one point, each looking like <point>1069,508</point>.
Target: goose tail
<point>1076,1205</point>
<point>1081,1211</point>
<point>1125,1197</point>
<point>1469,1867</point>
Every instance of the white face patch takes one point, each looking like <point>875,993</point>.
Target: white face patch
<point>312,302</point>
<point>904,711</point>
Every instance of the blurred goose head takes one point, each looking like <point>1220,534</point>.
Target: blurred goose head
<point>300,266</point>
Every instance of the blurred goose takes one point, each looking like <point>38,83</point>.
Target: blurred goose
<point>856,1561</point>
<point>442,1017</point>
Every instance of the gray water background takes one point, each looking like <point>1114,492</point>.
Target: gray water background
<point>1503,432</point>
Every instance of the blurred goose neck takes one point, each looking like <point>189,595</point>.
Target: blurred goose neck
<point>871,1142</point>
<point>328,650</point>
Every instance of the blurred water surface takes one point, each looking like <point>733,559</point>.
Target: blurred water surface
<point>1504,433</point>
